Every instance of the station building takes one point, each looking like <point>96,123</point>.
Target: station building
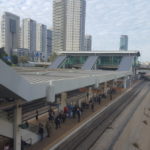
<point>95,60</point>
<point>72,79</point>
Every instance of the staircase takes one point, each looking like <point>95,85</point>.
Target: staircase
<point>90,62</point>
<point>57,62</point>
<point>126,63</point>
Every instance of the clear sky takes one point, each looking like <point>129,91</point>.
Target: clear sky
<point>106,20</point>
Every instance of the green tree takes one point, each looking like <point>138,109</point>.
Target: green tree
<point>23,59</point>
<point>15,59</point>
<point>4,56</point>
<point>2,53</point>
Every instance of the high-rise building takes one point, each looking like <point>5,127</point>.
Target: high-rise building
<point>9,32</point>
<point>20,38</point>
<point>28,35</point>
<point>68,25</point>
<point>49,41</point>
<point>124,42</point>
<point>75,25</point>
<point>88,43</point>
<point>59,24</point>
<point>41,38</point>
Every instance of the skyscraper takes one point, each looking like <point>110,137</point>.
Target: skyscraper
<point>75,25</point>
<point>123,43</point>
<point>59,24</point>
<point>68,25</point>
<point>88,43</point>
<point>49,41</point>
<point>41,38</point>
<point>9,32</point>
<point>28,35</point>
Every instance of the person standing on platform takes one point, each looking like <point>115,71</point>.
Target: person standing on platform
<point>78,114</point>
<point>99,99</point>
<point>110,93</point>
<point>74,111</point>
<point>37,115</point>
<point>92,106</point>
<point>50,117</point>
<point>63,117</point>
<point>57,122</point>
<point>48,128</point>
<point>110,96</point>
<point>41,131</point>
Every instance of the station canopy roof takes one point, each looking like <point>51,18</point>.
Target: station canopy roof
<point>37,83</point>
<point>103,52</point>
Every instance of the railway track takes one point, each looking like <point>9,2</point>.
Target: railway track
<point>86,136</point>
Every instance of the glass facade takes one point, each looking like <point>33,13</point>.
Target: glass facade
<point>74,62</point>
<point>108,61</point>
<point>102,61</point>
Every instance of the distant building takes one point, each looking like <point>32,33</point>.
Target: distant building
<point>75,25</point>
<point>21,52</point>
<point>28,34</point>
<point>124,43</point>
<point>9,32</point>
<point>88,43</point>
<point>59,11</point>
<point>68,25</point>
<point>20,38</point>
<point>49,41</point>
<point>41,39</point>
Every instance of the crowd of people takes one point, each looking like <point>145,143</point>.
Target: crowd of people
<point>56,119</point>
<point>70,111</point>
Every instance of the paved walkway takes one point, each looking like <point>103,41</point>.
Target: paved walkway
<point>68,126</point>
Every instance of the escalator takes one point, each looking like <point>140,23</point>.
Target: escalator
<point>59,60</point>
<point>90,62</point>
<point>126,63</point>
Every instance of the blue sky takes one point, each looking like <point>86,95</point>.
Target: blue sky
<point>106,20</point>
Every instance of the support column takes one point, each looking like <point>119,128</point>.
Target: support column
<point>105,88</point>
<point>114,83</point>
<point>125,83</point>
<point>63,100</point>
<point>79,103</point>
<point>130,81</point>
<point>50,92</point>
<point>17,130</point>
<point>90,94</point>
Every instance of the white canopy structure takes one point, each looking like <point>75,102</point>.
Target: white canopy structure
<point>33,83</point>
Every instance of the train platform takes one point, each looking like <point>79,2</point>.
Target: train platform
<point>70,125</point>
